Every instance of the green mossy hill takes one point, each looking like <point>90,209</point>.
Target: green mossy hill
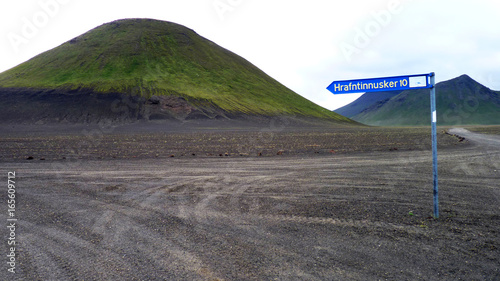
<point>148,58</point>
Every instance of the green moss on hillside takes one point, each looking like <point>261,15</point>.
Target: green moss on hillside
<point>149,57</point>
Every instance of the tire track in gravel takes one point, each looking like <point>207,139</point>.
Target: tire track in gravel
<point>112,238</point>
<point>47,248</point>
<point>488,154</point>
<point>303,220</point>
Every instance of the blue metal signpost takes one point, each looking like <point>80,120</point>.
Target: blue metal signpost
<point>434,144</point>
<point>398,83</point>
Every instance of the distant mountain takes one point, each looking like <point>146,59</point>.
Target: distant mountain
<point>368,99</point>
<point>145,69</point>
<point>460,101</point>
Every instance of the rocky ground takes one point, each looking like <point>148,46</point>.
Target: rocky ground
<point>235,139</point>
<point>331,204</point>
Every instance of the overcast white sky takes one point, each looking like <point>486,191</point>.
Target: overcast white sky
<point>303,44</point>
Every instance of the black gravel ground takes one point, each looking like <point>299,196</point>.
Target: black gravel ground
<point>336,204</point>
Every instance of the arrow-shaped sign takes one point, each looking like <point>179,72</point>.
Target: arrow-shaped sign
<point>395,83</point>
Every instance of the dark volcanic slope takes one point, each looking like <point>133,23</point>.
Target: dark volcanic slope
<point>460,101</point>
<point>173,72</point>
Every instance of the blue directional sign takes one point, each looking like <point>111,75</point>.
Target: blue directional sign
<point>394,83</point>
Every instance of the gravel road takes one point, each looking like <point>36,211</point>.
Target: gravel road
<point>358,216</point>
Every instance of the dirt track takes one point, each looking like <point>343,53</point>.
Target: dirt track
<point>353,216</point>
